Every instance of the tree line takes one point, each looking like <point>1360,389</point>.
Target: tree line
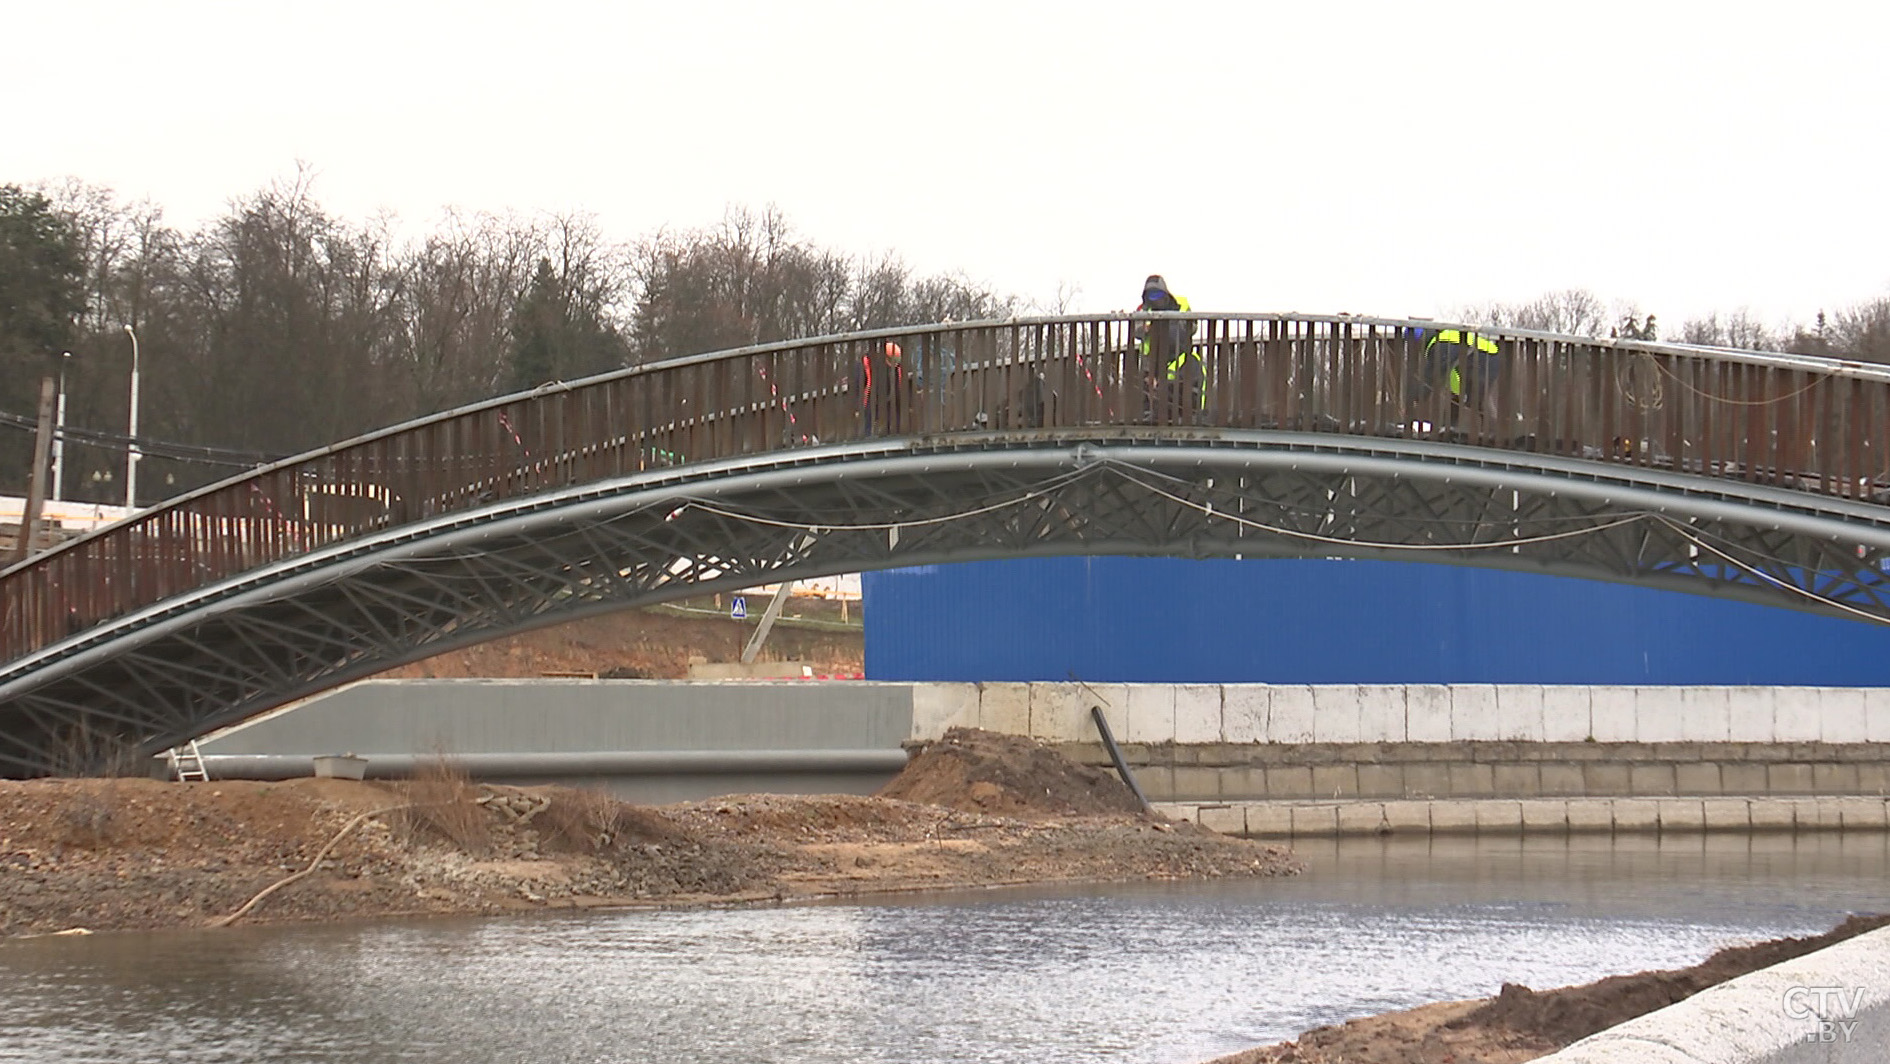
<point>1860,333</point>
<point>278,327</point>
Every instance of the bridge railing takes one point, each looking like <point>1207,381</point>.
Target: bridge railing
<point>1812,425</point>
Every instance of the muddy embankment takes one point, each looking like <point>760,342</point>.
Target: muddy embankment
<point>974,809</point>
<point>1521,1024</point>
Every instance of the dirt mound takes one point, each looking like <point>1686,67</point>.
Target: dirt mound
<point>1010,775</point>
<point>1423,1035</point>
<point>1521,1024</point>
<point>133,853</point>
<point>1571,1014</point>
<point>813,818</point>
<point>144,853</point>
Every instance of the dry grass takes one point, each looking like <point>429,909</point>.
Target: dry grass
<point>79,751</point>
<point>580,820</point>
<point>588,821</point>
<point>442,803</point>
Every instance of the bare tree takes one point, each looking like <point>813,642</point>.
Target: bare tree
<point>126,251</point>
<point>285,322</point>
<point>1738,329</point>
<point>277,327</point>
<point>1064,302</point>
<point>565,323</point>
<point>1572,311</point>
<point>1863,331</point>
<point>747,280</point>
<point>460,286</point>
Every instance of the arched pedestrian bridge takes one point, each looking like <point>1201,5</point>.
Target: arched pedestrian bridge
<point>1752,476</point>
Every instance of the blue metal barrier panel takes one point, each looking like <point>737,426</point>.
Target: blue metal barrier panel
<point>1170,620</point>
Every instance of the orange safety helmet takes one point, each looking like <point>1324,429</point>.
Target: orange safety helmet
<point>893,353</point>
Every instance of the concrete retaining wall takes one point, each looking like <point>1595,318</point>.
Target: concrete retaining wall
<point>1771,1016</point>
<point>1417,713</point>
<point>1282,759</point>
<point>1287,760</point>
<point>645,740</point>
<point>1538,816</point>
<point>1335,771</point>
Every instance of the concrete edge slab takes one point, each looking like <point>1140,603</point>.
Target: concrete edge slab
<point>1784,1014</point>
<point>1282,818</point>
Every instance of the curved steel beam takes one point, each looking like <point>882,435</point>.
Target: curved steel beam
<point>1814,426</point>
<point>217,655</point>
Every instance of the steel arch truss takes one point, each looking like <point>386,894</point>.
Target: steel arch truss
<point>149,681</point>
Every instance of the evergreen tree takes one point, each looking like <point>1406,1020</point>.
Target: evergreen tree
<point>559,331</point>
<point>41,278</point>
<point>42,294</point>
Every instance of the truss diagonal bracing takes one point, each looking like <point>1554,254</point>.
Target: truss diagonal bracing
<point>1750,475</point>
<point>149,681</point>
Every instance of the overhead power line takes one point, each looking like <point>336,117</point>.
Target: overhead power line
<point>204,454</point>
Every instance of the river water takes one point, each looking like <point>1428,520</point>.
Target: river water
<point>1171,972</point>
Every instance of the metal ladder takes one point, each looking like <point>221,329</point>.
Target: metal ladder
<point>187,763</point>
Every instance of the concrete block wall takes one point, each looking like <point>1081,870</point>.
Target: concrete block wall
<point>1291,760</point>
<point>1433,713</point>
<point>1288,819</point>
<point>1332,771</point>
<point>1376,750</point>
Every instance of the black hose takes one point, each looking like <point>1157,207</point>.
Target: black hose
<point>1115,754</point>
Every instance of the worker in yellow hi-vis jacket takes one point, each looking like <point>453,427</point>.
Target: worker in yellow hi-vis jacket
<point>1175,372</point>
<point>1464,365</point>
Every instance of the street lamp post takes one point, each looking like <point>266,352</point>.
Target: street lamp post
<point>131,451</point>
<point>59,434</point>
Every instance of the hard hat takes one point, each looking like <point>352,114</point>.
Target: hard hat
<point>893,354</point>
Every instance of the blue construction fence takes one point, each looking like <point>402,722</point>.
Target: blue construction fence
<point>1324,621</point>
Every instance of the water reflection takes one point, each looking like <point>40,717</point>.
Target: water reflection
<point>1146,972</point>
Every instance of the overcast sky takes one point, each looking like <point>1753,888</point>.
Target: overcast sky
<point>1396,159</point>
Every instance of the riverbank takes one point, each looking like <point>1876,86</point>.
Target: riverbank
<point>971,810</point>
<point>1520,1024</point>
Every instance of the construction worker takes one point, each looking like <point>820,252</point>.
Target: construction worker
<point>1465,364</point>
<point>880,381</point>
<point>1175,372</point>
